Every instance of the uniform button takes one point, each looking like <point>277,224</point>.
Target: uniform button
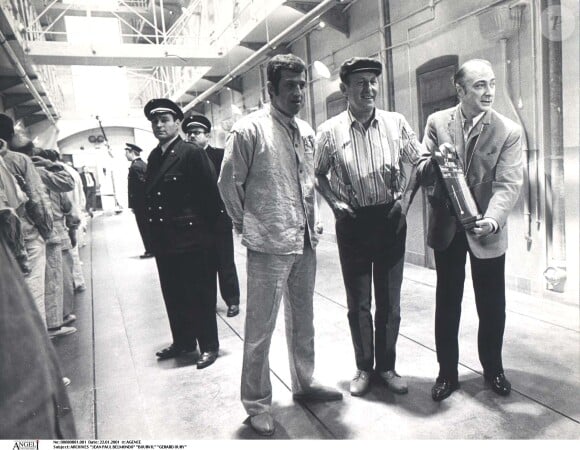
<point>149,208</point>
<point>159,193</point>
<point>160,207</point>
<point>160,220</point>
<point>190,223</point>
<point>221,210</point>
<point>174,178</point>
<point>150,220</point>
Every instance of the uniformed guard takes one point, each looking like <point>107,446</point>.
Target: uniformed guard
<point>197,128</point>
<point>182,203</point>
<point>136,194</point>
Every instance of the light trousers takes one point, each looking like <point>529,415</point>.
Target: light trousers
<point>271,277</point>
<point>78,277</point>
<point>68,290</point>
<point>53,297</point>
<point>36,249</point>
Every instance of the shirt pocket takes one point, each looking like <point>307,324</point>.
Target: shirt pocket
<point>308,142</point>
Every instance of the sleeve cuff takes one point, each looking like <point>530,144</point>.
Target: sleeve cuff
<point>494,224</point>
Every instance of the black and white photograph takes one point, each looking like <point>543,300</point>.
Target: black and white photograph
<point>255,221</point>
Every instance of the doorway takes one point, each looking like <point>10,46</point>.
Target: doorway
<point>435,92</point>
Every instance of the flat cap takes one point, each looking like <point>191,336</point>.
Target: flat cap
<point>132,147</point>
<point>162,106</point>
<point>354,65</point>
<point>196,121</point>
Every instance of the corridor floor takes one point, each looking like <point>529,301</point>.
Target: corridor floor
<point>120,391</point>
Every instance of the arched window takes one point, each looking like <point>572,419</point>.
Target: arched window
<point>435,90</point>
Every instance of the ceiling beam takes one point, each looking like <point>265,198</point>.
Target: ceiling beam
<point>96,10</point>
<point>133,55</point>
<point>234,85</point>
<point>334,17</point>
<point>6,82</point>
<point>255,46</point>
<point>22,111</point>
<point>32,119</point>
<point>12,100</point>
<point>215,99</point>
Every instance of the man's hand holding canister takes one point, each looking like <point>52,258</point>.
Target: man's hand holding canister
<point>484,227</point>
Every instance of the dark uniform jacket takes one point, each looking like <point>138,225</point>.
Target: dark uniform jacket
<point>182,199</point>
<point>216,155</point>
<point>136,184</point>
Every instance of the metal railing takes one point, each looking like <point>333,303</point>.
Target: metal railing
<point>23,19</point>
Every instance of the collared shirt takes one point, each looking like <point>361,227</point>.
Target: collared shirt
<point>474,122</point>
<point>166,145</point>
<point>267,182</point>
<point>366,166</point>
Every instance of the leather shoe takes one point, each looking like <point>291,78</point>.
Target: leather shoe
<point>263,424</point>
<point>499,384</point>
<point>172,351</point>
<point>443,388</point>
<point>233,310</point>
<point>359,385</point>
<point>318,393</point>
<point>395,382</point>
<point>206,359</point>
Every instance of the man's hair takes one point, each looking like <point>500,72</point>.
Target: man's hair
<point>459,76</point>
<point>283,62</point>
<point>50,154</point>
<point>6,127</point>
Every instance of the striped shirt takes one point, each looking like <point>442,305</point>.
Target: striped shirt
<point>366,167</point>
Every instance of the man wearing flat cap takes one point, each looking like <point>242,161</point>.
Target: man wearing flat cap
<point>182,206</point>
<point>197,128</point>
<point>136,194</point>
<point>365,159</point>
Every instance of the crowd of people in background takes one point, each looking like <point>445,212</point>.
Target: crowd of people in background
<point>42,204</point>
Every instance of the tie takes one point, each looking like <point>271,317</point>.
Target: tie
<point>467,128</point>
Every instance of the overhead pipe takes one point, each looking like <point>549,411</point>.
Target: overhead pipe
<point>24,77</point>
<point>387,55</point>
<point>527,191</point>
<point>249,62</point>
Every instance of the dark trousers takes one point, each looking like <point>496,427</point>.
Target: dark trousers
<point>489,288</point>
<point>144,229</point>
<point>226,268</point>
<point>188,286</point>
<point>91,198</point>
<point>369,246</point>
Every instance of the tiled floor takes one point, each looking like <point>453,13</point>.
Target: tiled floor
<point>120,390</point>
